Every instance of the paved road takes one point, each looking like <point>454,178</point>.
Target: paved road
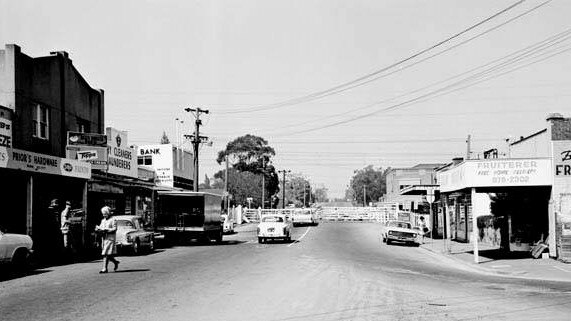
<point>337,271</point>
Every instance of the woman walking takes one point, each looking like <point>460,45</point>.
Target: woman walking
<point>107,229</point>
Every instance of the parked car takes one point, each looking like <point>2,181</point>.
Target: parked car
<point>15,249</point>
<point>274,227</point>
<point>400,231</point>
<point>227,224</point>
<point>131,234</point>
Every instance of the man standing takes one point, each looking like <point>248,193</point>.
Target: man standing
<point>65,228</point>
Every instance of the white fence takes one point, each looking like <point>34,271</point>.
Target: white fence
<point>382,213</point>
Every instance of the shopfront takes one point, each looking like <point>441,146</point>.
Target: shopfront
<point>35,187</point>
<point>500,202</point>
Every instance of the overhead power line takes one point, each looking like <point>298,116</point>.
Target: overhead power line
<point>414,64</point>
<point>536,50</point>
<point>335,89</point>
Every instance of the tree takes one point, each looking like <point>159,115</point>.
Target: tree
<point>250,154</point>
<point>242,185</point>
<point>298,187</point>
<point>165,139</point>
<point>374,183</point>
<point>320,194</point>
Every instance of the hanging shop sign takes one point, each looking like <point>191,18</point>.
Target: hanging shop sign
<point>88,147</point>
<point>497,173</point>
<point>86,139</point>
<point>120,157</point>
<point>46,164</point>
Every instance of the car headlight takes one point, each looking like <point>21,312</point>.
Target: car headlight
<point>390,233</point>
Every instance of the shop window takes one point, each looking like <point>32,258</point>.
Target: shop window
<point>41,123</point>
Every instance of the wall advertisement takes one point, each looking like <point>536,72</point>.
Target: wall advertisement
<point>121,158</point>
<point>5,133</point>
<point>46,164</point>
<point>161,162</point>
<point>562,159</point>
<point>497,173</point>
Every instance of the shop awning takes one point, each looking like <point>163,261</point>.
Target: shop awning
<point>420,190</point>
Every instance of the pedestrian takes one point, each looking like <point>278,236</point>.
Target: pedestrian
<point>107,230</point>
<point>423,227</point>
<point>65,223</point>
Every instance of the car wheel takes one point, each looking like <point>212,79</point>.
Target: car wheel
<point>388,242</point>
<point>384,239</point>
<point>137,247</point>
<point>20,261</point>
<point>219,237</point>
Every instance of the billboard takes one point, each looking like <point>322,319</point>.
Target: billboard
<point>121,158</point>
<point>47,164</point>
<point>160,159</point>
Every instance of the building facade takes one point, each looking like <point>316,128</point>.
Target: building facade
<point>41,99</point>
<point>173,166</point>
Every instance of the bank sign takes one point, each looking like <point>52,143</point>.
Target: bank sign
<point>121,158</point>
<point>162,162</point>
<point>46,164</point>
<point>497,173</point>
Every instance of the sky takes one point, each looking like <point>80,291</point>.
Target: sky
<point>242,59</point>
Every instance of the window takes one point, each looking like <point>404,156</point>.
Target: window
<point>41,122</point>
<point>145,160</point>
<point>82,126</point>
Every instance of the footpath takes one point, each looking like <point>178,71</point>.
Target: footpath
<point>493,262</point>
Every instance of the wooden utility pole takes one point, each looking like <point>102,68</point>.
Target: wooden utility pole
<point>196,140</point>
<point>263,180</point>
<point>226,188</point>
<point>283,185</point>
<point>468,147</point>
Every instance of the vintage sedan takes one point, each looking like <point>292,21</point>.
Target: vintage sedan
<point>304,217</point>
<point>131,234</point>
<point>274,227</point>
<point>400,231</point>
<point>15,249</point>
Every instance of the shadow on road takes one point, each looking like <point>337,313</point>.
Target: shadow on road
<point>132,270</point>
<point>498,254</point>
<point>279,241</point>
<point>7,274</point>
<point>130,253</point>
<point>205,243</point>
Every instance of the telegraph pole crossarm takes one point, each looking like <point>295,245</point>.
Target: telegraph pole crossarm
<point>196,140</point>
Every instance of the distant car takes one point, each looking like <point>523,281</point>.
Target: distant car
<point>400,231</point>
<point>227,224</point>
<point>304,217</point>
<point>15,249</point>
<point>131,234</point>
<point>274,227</point>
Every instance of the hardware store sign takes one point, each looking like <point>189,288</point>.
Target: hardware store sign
<point>47,164</point>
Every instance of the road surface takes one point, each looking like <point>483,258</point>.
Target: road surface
<point>335,271</point>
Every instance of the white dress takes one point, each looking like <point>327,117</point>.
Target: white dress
<point>109,226</point>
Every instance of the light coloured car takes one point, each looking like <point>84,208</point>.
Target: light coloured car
<point>15,249</point>
<point>274,227</point>
<point>227,224</point>
<point>400,231</point>
<point>304,217</point>
<point>131,234</point>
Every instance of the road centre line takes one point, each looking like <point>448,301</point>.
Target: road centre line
<point>562,269</point>
<point>299,239</point>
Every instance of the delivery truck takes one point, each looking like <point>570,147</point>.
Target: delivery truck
<point>184,215</point>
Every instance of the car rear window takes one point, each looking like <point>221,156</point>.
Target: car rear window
<point>124,223</point>
<point>273,219</point>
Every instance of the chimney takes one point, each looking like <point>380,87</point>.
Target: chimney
<point>60,53</point>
